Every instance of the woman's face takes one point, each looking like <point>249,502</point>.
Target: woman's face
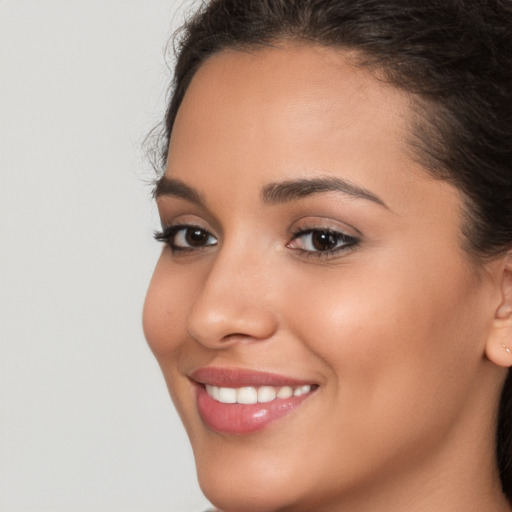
<point>309,255</point>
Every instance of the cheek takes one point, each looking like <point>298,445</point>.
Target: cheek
<point>164,322</point>
<point>391,350</point>
<point>395,304</point>
<point>164,314</point>
<point>386,336</point>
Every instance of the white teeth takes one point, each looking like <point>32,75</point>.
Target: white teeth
<point>227,395</point>
<point>247,395</point>
<point>302,390</point>
<point>285,392</point>
<point>213,391</point>
<point>266,394</point>
<point>251,395</point>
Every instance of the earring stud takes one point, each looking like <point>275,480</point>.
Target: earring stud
<point>507,349</point>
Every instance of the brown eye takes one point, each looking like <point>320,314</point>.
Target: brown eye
<point>191,237</point>
<point>196,237</point>
<point>324,240</point>
<point>186,238</point>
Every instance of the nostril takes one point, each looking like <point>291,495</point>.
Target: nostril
<point>222,324</point>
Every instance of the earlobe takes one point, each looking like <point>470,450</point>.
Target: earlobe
<point>499,343</point>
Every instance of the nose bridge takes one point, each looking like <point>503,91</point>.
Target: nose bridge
<point>234,301</point>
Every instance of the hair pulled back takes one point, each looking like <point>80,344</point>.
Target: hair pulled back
<point>454,56</point>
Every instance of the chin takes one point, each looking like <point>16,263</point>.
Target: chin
<point>248,497</point>
<point>249,483</point>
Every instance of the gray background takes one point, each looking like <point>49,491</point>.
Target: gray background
<point>85,420</point>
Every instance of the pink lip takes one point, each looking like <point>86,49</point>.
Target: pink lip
<point>238,418</point>
<point>237,378</point>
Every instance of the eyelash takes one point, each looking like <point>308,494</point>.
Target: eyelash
<point>168,234</point>
<point>349,242</point>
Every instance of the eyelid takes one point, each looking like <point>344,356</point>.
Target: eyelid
<point>308,227</point>
<point>167,234</point>
<point>342,241</point>
<point>324,221</point>
<point>348,240</point>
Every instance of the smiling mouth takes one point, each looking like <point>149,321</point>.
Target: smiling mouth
<point>248,395</point>
<point>238,402</point>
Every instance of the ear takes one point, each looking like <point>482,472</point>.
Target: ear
<point>499,343</point>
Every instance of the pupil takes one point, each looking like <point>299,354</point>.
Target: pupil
<point>324,240</point>
<point>196,237</point>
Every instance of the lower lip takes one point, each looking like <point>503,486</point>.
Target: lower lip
<point>241,418</point>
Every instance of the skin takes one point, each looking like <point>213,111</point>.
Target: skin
<point>395,330</point>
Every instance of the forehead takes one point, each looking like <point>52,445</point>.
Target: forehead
<point>299,82</point>
<point>287,112</point>
<point>288,96</point>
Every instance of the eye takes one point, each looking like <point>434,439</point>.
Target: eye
<point>186,238</point>
<point>321,241</point>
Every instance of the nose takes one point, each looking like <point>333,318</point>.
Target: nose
<point>233,304</point>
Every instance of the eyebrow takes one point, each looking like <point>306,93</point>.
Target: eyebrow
<point>285,191</point>
<point>273,193</point>
<point>176,188</point>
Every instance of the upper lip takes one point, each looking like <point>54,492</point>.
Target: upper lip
<point>237,377</point>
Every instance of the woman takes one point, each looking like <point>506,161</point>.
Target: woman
<point>332,310</point>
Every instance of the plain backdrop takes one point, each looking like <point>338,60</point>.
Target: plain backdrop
<point>86,423</point>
